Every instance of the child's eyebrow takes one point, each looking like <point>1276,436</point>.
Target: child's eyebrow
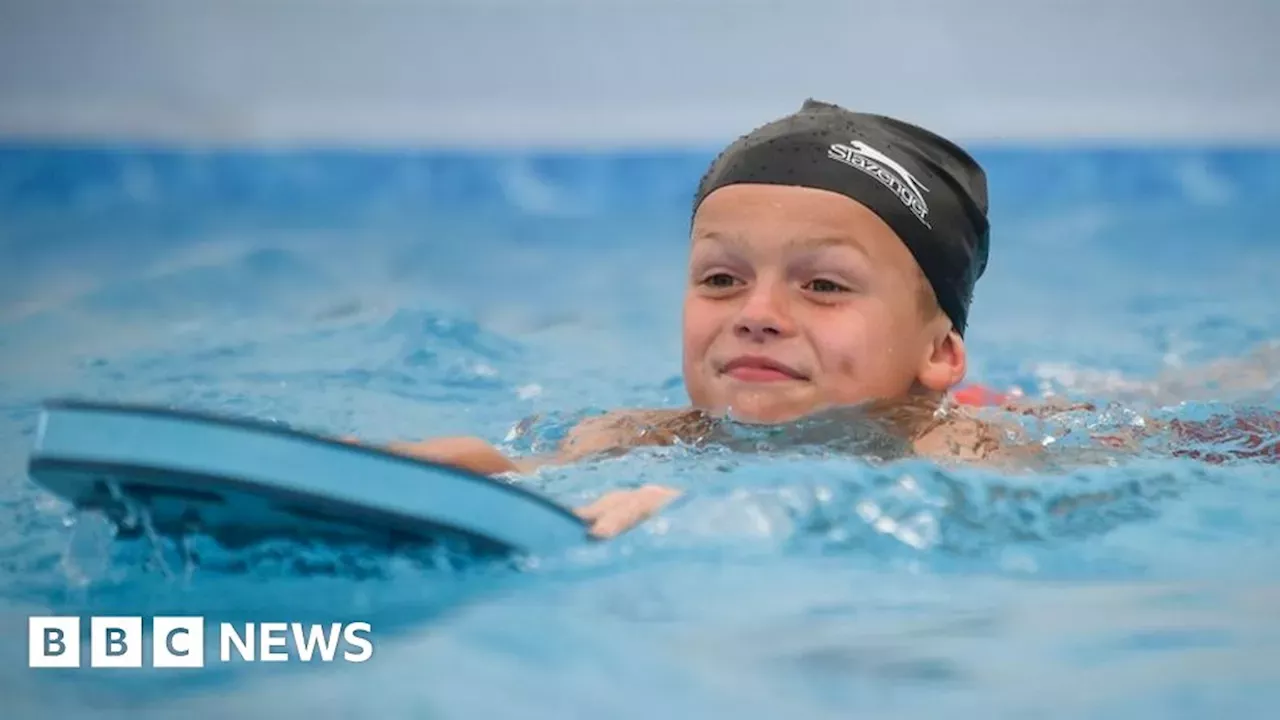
<point>736,242</point>
<point>719,237</point>
<point>826,241</point>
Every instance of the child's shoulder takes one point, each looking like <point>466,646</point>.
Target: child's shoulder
<point>617,431</point>
<point>959,437</point>
<point>963,436</point>
<point>968,434</point>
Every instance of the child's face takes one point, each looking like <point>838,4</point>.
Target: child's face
<point>801,299</point>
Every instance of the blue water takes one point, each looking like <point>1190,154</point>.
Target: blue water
<point>401,295</point>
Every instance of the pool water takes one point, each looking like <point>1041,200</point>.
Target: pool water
<point>401,295</point>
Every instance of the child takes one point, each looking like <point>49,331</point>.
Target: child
<point>833,259</point>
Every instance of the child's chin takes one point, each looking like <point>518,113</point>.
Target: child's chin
<point>766,408</point>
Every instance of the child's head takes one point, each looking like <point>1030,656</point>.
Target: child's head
<point>833,261</point>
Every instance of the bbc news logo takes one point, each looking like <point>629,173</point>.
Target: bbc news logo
<point>179,642</point>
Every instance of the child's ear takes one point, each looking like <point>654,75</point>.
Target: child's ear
<point>944,363</point>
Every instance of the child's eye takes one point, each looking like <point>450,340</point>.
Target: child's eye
<point>719,280</point>
<point>823,285</point>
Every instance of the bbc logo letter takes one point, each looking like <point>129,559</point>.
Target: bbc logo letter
<point>115,642</point>
<point>53,642</point>
<point>177,642</point>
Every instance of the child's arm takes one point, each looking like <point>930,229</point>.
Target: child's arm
<point>468,453</point>
<point>611,434</point>
<point>606,435</point>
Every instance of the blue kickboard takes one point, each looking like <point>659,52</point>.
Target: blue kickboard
<point>241,481</point>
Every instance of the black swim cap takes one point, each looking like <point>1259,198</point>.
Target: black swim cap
<point>928,190</point>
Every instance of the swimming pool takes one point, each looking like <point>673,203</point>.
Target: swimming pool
<point>413,294</point>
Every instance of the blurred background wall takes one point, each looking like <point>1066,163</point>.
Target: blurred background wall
<point>627,72</point>
<point>506,134</point>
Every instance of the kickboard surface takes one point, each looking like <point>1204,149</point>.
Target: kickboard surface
<point>242,481</point>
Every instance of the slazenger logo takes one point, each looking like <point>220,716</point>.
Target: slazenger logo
<point>888,171</point>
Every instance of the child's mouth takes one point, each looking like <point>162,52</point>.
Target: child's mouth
<point>760,370</point>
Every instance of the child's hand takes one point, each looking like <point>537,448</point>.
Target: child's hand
<point>619,511</point>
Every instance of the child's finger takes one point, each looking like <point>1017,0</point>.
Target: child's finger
<point>612,525</point>
<point>588,512</point>
<point>619,518</point>
<point>597,509</point>
<point>619,511</point>
<point>623,515</point>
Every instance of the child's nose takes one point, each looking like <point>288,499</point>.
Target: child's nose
<point>765,314</point>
